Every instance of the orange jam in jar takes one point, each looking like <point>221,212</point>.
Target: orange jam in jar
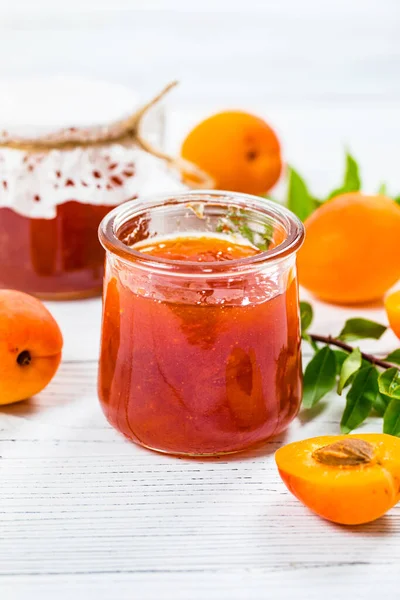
<point>200,340</point>
<point>56,258</point>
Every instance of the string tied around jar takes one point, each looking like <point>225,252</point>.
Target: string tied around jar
<point>124,132</point>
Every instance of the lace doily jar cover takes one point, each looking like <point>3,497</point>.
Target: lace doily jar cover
<point>52,201</point>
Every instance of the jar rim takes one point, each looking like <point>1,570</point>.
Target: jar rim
<point>124,212</point>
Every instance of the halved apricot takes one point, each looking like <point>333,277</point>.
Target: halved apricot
<point>349,479</point>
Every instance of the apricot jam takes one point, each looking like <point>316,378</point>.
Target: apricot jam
<point>198,249</point>
<point>53,258</point>
<point>200,345</point>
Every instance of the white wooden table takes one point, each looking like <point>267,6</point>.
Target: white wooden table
<point>86,514</point>
<point>83,513</point>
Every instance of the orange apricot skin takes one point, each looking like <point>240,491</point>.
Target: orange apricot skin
<point>26,325</point>
<point>238,150</point>
<point>344,495</point>
<point>392,306</point>
<point>351,250</point>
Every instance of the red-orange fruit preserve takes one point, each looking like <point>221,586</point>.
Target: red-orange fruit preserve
<point>200,346</point>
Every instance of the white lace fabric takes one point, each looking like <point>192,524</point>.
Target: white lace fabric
<point>33,185</point>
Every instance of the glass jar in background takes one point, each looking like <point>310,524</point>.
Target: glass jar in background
<point>200,348</point>
<point>51,202</point>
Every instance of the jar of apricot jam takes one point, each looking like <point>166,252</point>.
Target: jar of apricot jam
<point>52,202</point>
<point>200,350</point>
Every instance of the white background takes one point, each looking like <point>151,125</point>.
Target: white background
<point>325,74</point>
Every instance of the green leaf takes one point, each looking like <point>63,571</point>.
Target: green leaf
<point>351,182</point>
<point>246,232</point>
<point>389,383</point>
<point>394,357</point>
<point>237,221</point>
<point>299,199</point>
<point>319,376</point>
<point>317,202</point>
<point>308,338</point>
<point>380,404</point>
<point>264,239</point>
<point>306,316</point>
<point>360,399</point>
<point>382,189</point>
<point>349,367</point>
<point>391,420</point>
<point>357,329</point>
<point>397,199</point>
<point>340,357</point>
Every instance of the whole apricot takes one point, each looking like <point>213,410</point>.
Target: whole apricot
<point>351,252</point>
<point>347,479</point>
<point>238,150</point>
<point>392,306</point>
<point>30,346</point>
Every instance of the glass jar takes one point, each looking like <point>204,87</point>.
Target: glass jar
<point>200,358</point>
<point>51,202</point>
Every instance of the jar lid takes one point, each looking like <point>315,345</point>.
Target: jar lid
<point>36,106</point>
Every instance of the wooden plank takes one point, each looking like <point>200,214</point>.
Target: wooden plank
<point>83,508</point>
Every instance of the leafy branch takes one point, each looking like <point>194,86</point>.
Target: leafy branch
<point>374,383</point>
<point>331,341</point>
<point>302,202</point>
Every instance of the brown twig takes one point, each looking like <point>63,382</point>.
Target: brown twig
<point>331,341</point>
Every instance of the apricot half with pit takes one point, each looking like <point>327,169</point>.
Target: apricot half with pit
<point>30,346</point>
<point>346,479</point>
